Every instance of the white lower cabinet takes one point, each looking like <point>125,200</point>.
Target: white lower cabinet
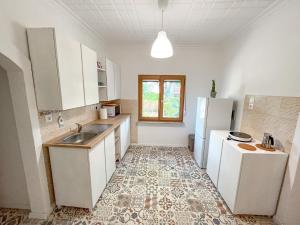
<point>110,157</point>
<point>216,140</point>
<point>125,136</point>
<point>250,182</point>
<point>79,175</point>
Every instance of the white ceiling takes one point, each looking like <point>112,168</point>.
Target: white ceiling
<point>186,21</point>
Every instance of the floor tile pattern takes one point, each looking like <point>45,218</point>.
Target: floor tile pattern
<point>152,185</point>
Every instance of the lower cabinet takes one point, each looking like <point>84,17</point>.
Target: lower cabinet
<point>125,136</point>
<point>110,157</point>
<point>250,182</point>
<point>80,175</point>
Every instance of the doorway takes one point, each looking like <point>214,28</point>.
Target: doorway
<point>23,171</point>
<point>13,190</point>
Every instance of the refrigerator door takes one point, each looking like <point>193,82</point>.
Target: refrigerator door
<point>199,150</point>
<point>219,114</point>
<point>201,116</point>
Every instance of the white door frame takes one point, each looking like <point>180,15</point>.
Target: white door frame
<point>21,86</point>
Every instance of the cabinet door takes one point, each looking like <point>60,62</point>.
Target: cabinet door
<point>71,177</point>
<point>230,168</point>
<point>97,170</point>
<point>90,75</point>
<point>70,72</point>
<point>125,136</point>
<point>214,157</point>
<point>110,155</point>
<point>42,49</point>
<point>117,73</point>
<point>110,80</point>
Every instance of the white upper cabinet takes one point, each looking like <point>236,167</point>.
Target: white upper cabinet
<point>90,75</point>
<point>117,72</point>
<point>65,72</point>
<point>112,80</point>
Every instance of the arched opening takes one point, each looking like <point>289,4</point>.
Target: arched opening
<point>22,144</point>
<point>13,190</point>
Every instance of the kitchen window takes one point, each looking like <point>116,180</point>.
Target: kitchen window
<point>161,98</point>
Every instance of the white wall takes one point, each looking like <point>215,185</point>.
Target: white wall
<point>289,203</point>
<point>17,15</point>
<point>264,59</point>
<point>13,190</point>
<point>199,64</point>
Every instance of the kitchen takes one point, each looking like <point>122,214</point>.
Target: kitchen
<point>255,66</point>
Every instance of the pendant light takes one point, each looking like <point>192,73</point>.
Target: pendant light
<point>162,47</point>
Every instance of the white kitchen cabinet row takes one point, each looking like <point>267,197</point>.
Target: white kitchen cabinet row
<point>80,175</point>
<point>65,71</point>
<point>248,181</point>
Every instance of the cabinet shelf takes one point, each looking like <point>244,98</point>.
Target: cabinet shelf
<point>102,86</point>
<point>101,69</point>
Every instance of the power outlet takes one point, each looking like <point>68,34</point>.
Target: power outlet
<point>48,118</point>
<point>251,103</point>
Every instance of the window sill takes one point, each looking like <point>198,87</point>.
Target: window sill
<point>160,123</point>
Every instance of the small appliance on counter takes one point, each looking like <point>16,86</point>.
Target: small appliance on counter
<point>239,136</point>
<point>112,109</point>
<point>103,113</point>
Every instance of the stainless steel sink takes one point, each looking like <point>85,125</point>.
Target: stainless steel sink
<point>96,128</point>
<point>78,138</point>
<point>87,133</point>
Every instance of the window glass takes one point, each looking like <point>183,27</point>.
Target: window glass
<point>171,99</point>
<point>150,99</point>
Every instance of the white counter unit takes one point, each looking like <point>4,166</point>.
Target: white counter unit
<point>80,175</point>
<point>250,181</point>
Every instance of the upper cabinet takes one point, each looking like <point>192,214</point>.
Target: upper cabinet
<point>90,75</point>
<point>110,77</point>
<point>65,72</point>
<point>117,72</point>
<point>111,81</point>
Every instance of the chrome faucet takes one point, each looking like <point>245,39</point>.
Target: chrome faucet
<point>79,127</point>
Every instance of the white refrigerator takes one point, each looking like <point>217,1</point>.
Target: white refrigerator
<point>212,114</point>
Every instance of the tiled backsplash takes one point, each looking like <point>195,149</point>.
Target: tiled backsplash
<point>271,114</point>
<point>71,116</point>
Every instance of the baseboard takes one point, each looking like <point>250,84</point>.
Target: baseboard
<point>41,215</point>
<point>37,215</point>
<point>14,205</point>
<point>160,145</point>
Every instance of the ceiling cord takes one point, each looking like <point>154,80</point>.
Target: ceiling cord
<point>162,19</point>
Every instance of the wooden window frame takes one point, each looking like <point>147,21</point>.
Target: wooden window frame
<point>161,79</point>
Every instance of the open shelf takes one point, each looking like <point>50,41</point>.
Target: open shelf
<point>102,86</point>
<point>101,69</point>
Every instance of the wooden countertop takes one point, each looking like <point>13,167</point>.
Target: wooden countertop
<point>115,122</point>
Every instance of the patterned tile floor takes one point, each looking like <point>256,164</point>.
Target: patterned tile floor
<point>152,185</point>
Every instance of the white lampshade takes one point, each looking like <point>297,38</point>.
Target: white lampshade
<point>162,47</point>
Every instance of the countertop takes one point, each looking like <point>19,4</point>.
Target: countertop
<point>115,122</point>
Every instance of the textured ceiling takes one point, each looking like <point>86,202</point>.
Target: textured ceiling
<point>186,21</point>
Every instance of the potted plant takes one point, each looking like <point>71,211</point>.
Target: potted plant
<point>213,92</point>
